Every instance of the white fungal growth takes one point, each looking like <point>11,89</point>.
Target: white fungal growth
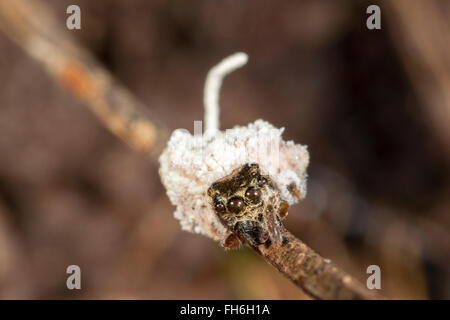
<point>191,163</point>
<point>188,168</point>
<point>212,89</point>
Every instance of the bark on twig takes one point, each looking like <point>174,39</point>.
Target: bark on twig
<point>32,27</point>
<point>318,277</point>
<point>29,24</point>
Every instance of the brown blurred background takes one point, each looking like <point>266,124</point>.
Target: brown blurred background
<point>372,106</point>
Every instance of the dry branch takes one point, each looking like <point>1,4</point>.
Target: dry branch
<point>31,26</point>
<point>318,277</point>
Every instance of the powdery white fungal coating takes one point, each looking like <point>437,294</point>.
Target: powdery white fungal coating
<point>190,164</point>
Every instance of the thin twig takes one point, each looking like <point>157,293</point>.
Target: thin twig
<point>318,277</point>
<point>29,24</point>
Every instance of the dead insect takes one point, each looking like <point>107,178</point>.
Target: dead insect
<point>249,205</point>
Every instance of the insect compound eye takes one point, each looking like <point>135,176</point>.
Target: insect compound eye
<point>253,194</point>
<point>262,181</point>
<point>219,207</point>
<point>235,204</point>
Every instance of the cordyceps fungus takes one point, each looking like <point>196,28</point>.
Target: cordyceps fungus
<point>237,182</point>
<point>236,186</point>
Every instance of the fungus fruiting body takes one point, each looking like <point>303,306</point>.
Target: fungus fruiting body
<point>254,167</point>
